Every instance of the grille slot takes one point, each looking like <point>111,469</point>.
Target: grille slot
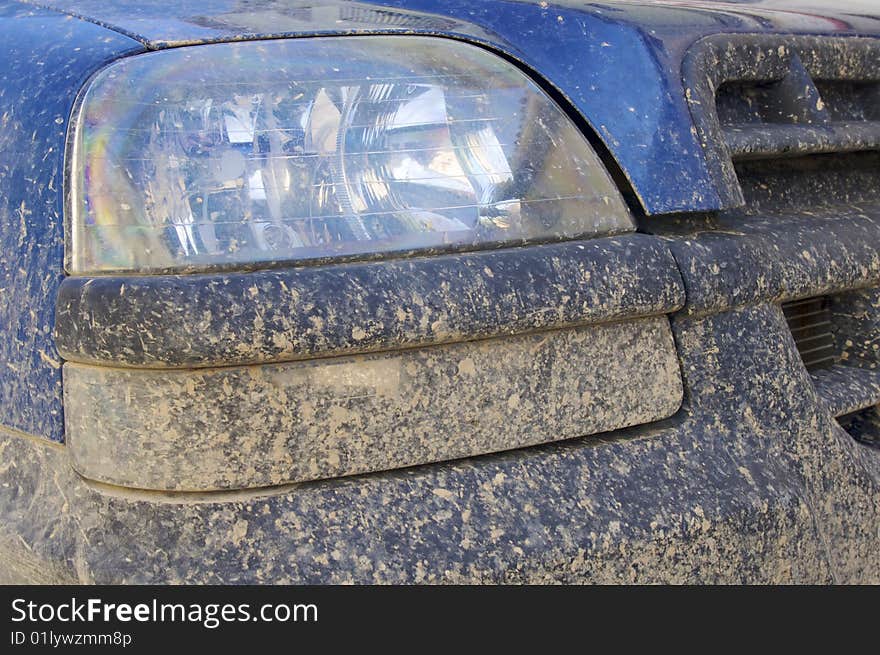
<point>863,426</point>
<point>810,323</point>
<point>847,100</point>
<point>830,334</point>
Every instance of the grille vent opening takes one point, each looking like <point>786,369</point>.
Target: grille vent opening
<point>811,181</point>
<point>847,100</point>
<point>810,324</point>
<point>833,337</point>
<point>863,426</point>
<point>752,103</point>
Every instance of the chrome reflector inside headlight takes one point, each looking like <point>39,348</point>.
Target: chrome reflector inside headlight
<point>287,150</point>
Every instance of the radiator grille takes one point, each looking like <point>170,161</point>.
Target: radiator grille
<point>810,324</point>
<point>781,99</point>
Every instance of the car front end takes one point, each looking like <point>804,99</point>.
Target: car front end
<point>422,292</point>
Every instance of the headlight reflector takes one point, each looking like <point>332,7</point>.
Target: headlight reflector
<point>305,149</point>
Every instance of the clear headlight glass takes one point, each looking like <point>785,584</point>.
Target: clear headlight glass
<point>272,151</point>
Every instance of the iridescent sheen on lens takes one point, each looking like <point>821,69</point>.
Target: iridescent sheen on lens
<point>300,149</point>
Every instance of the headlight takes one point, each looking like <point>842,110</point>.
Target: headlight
<point>312,149</point>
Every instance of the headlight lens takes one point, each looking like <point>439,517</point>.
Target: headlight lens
<point>288,150</point>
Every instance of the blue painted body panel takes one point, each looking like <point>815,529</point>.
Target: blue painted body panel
<point>45,58</point>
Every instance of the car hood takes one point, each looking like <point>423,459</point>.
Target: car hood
<point>617,63</point>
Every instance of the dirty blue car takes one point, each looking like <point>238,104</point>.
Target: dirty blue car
<point>325,291</point>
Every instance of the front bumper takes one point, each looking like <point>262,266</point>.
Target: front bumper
<point>752,481</point>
